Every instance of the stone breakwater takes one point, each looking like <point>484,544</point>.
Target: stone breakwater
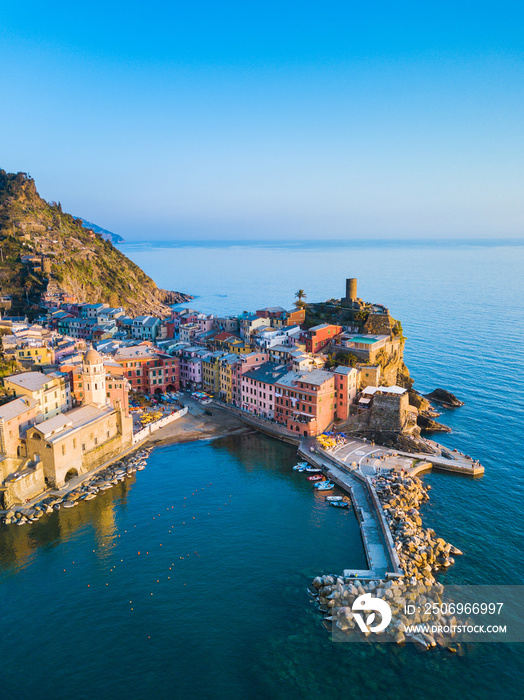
<point>421,553</point>
<point>86,491</point>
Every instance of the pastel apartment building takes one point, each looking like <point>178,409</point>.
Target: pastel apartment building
<point>51,391</point>
<point>346,379</point>
<point>244,364</point>
<point>147,370</point>
<point>211,371</point>
<point>305,401</point>
<point>279,317</point>
<point>259,389</point>
<point>146,328</point>
<point>319,337</point>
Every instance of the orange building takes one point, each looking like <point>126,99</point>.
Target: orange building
<point>148,370</point>
<point>305,401</point>
<point>345,390</point>
<point>319,337</point>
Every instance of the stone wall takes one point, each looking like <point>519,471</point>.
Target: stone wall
<point>25,488</point>
<point>378,324</point>
<point>153,427</point>
<point>369,375</point>
<point>389,412</point>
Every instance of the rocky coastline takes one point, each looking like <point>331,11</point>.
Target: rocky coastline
<point>168,297</point>
<point>444,398</point>
<point>422,554</point>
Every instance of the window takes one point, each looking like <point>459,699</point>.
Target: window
<point>96,441</point>
<point>63,449</point>
<point>74,443</point>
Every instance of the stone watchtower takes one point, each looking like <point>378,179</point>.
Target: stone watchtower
<point>94,379</point>
<point>350,300</point>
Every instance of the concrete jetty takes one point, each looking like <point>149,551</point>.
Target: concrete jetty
<point>381,555</point>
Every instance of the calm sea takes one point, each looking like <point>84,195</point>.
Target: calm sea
<point>229,536</point>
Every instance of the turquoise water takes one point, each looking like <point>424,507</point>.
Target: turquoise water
<point>242,625</point>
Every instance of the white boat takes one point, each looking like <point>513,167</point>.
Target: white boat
<point>69,504</point>
<point>334,499</point>
<point>324,486</point>
<point>313,470</point>
<point>90,497</point>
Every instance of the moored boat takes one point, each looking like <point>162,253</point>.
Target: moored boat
<point>317,477</point>
<point>334,498</point>
<point>339,504</point>
<point>324,486</point>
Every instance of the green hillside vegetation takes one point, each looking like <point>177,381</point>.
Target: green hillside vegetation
<point>82,263</point>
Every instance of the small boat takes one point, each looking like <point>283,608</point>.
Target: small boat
<point>334,499</point>
<point>69,504</point>
<point>90,497</point>
<point>298,465</point>
<point>313,470</point>
<point>324,486</point>
<point>317,477</point>
<point>339,504</point>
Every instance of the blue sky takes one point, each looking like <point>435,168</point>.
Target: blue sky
<point>269,120</point>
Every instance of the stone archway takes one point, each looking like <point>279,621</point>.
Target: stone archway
<point>158,391</point>
<point>70,474</point>
<point>170,388</point>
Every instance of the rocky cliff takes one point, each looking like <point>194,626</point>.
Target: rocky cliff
<point>44,249</point>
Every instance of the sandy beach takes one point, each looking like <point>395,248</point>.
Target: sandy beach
<point>196,425</point>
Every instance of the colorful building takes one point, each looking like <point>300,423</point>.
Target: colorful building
<point>51,391</point>
<point>305,401</point>
<point>259,389</point>
<point>244,364</point>
<point>319,337</point>
<point>149,371</point>
<point>345,390</point>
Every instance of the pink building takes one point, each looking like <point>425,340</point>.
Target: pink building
<point>245,363</point>
<point>258,389</point>
<point>205,323</point>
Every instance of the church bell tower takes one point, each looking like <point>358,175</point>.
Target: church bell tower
<point>94,379</point>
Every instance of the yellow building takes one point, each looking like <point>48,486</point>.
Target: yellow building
<point>225,384</point>
<point>211,372</point>
<point>52,391</point>
<point>35,353</point>
<point>238,347</point>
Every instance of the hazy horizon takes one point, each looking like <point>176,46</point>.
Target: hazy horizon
<point>270,121</point>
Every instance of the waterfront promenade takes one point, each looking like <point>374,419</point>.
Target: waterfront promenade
<point>370,459</point>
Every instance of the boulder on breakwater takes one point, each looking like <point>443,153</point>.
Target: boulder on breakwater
<point>421,554</point>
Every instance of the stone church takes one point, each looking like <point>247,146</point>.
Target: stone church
<point>72,443</point>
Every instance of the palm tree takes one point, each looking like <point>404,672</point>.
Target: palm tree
<point>300,295</point>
